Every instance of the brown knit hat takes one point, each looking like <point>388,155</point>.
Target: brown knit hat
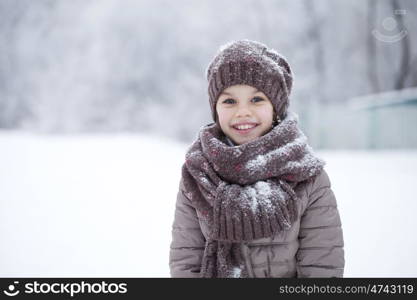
<point>251,63</point>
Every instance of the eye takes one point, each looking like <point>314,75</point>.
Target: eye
<point>258,99</point>
<point>229,101</point>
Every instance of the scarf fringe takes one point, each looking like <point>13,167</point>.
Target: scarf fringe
<point>237,225</point>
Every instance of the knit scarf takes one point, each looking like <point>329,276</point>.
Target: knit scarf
<point>245,192</point>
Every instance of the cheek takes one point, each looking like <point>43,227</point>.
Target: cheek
<point>266,114</point>
<point>223,120</point>
<point>223,115</point>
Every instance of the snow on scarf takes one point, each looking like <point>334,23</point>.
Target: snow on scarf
<point>245,192</point>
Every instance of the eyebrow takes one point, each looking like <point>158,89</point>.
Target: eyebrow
<point>226,93</point>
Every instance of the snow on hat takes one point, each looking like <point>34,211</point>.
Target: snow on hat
<point>251,63</point>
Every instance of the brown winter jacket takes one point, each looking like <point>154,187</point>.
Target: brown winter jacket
<point>312,247</point>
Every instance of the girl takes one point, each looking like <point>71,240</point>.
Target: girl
<point>254,200</point>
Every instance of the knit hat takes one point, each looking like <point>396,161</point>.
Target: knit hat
<point>251,63</point>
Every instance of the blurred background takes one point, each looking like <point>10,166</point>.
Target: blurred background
<point>99,101</point>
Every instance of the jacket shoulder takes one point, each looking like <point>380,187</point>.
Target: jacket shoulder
<point>319,191</point>
<point>183,192</point>
<point>320,181</point>
<point>181,186</point>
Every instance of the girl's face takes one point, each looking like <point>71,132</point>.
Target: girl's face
<point>244,113</point>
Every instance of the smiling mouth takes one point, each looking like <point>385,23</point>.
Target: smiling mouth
<point>245,128</point>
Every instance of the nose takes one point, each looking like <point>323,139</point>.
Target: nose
<point>243,110</point>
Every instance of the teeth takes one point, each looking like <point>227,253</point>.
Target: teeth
<point>243,127</point>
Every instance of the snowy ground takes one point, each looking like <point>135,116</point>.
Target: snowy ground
<point>103,206</point>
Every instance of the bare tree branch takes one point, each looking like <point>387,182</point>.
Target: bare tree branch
<point>405,51</point>
<point>372,52</point>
